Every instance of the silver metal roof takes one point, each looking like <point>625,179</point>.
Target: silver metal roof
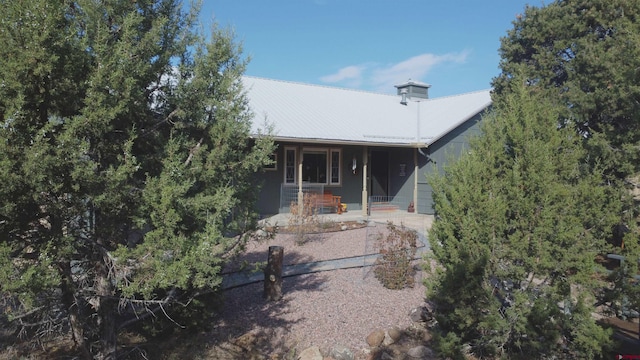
<point>321,114</point>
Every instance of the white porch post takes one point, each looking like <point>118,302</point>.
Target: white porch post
<point>365,196</point>
<point>415,179</point>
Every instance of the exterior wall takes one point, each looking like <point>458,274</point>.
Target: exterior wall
<point>401,181</point>
<point>350,188</point>
<point>439,154</point>
<point>401,184</point>
<point>269,186</point>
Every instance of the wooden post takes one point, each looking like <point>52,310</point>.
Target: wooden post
<point>273,274</point>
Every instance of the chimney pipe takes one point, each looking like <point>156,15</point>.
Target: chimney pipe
<point>403,92</point>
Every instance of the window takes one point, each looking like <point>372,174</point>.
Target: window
<point>274,162</point>
<point>314,166</point>
<point>319,166</point>
<point>335,166</point>
<point>290,165</point>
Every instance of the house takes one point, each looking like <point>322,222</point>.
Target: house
<point>373,150</point>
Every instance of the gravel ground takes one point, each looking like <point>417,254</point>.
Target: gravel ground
<point>324,309</point>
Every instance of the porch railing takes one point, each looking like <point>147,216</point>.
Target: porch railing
<point>387,203</point>
<point>289,194</point>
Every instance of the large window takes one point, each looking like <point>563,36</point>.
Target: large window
<point>319,166</point>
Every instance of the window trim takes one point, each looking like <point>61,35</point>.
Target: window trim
<point>329,151</point>
<point>274,166</point>
<point>286,165</point>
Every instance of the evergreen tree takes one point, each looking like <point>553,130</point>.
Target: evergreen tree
<point>125,161</point>
<point>520,221</point>
<point>587,54</point>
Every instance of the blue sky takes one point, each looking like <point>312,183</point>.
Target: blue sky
<point>371,44</point>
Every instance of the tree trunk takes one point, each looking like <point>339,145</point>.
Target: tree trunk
<point>273,274</point>
<point>106,311</point>
<point>73,307</point>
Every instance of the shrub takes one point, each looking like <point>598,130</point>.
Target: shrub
<point>397,249</point>
<point>304,219</point>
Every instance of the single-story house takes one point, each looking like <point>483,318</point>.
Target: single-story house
<point>370,149</point>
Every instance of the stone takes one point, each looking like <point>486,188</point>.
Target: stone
<point>426,336</point>
<point>394,333</point>
<point>375,338</point>
<point>386,356</point>
<point>311,353</point>
<point>420,314</point>
<point>344,227</point>
<point>340,352</point>
<point>420,352</point>
<point>247,340</point>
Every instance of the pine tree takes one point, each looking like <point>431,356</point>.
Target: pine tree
<point>126,163</point>
<point>519,223</point>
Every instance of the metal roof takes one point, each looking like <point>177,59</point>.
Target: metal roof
<point>322,114</point>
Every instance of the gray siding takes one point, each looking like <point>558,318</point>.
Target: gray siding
<point>400,186</point>
<point>439,154</point>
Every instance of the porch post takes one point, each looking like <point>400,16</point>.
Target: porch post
<point>415,179</point>
<point>300,194</point>
<point>365,196</point>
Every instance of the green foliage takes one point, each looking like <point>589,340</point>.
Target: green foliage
<point>397,248</point>
<point>586,53</point>
<point>126,162</point>
<point>520,221</point>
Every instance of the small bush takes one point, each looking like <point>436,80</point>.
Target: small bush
<point>397,249</point>
<point>304,219</point>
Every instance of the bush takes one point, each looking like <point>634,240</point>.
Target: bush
<point>304,219</point>
<point>397,250</point>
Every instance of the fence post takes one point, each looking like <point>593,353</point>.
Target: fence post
<point>273,274</point>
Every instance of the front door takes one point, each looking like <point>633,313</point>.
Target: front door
<point>379,174</point>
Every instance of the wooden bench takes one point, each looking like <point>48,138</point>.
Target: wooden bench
<point>328,200</point>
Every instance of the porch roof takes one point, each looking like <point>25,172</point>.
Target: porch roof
<point>322,114</point>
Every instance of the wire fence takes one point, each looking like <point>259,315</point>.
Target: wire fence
<point>289,194</point>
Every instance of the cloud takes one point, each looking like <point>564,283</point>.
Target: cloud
<point>349,73</point>
<point>382,77</point>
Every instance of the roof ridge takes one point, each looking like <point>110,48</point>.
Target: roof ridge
<point>319,85</point>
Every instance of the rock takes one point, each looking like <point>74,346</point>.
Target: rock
<point>340,352</point>
<point>344,227</point>
<point>386,356</point>
<point>420,352</point>
<point>420,314</point>
<point>310,353</point>
<point>375,338</point>
<point>394,333</point>
<point>426,336</point>
<point>247,340</point>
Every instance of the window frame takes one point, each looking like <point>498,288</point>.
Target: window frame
<point>331,165</point>
<point>286,166</point>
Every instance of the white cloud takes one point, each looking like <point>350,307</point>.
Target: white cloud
<point>382,77</point>
<point>351,74</point>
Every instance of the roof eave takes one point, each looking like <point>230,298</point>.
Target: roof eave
<point>342,142</point>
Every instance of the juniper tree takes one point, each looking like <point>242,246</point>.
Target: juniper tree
<point>586,53</point>
<point>520,220</point>
<point>125,161</point>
